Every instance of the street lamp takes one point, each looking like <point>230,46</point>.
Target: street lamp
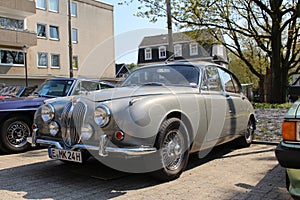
<point>25,47</point>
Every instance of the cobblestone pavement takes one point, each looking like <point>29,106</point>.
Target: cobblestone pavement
<point>268,127</point>
<point>227,173</point>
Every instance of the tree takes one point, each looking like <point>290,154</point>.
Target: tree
<point>269,27</point>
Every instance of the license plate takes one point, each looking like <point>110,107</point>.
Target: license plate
<point>74,156</point>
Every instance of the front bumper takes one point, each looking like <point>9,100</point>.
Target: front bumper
<point>103,148</point>
<point>288,155</point>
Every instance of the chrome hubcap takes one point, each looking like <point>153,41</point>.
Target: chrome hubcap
<point>250,130</point>
<point>172,150</point>
<point>17,133</point>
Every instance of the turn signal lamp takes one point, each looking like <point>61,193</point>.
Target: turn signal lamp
<point>119,135</point>
<point>289,131</point>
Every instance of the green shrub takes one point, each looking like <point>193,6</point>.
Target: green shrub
<point>268,105</point>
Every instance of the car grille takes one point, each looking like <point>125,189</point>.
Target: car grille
<point>71,121</point>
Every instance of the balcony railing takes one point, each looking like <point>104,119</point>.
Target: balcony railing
<point>17,38</point>
<point>20,8</point>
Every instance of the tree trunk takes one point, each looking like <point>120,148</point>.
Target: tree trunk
<point>278,75</point>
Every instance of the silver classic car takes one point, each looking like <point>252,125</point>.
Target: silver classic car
<point>152,122</point>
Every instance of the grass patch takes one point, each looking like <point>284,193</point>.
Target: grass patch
<point>268,105</point>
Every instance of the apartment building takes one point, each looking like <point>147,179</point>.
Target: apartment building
<point>38,31</point>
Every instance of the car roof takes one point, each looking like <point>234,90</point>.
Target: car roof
<point>198,64</point>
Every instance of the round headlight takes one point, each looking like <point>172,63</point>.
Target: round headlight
<point>102,115</point>
<point>86,132</point>
<point>47,112</point>
<point>53,128</point>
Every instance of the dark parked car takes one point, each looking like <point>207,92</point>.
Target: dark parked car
<point>16,91</point>
<point>158,116</point>
<point>288,151</point>
<point>16,114</point>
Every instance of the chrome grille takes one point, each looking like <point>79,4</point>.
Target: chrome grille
<point>71,121</point>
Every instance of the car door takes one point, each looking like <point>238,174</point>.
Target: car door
<point>234,100</point>
<point>216,105</point>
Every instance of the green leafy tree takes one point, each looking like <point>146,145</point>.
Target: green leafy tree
<point>270,27</point>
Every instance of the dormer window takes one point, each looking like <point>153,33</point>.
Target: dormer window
<point>162,52</point>
<point>178,50</point>
<point>148,54</point>
<point>193,49</point>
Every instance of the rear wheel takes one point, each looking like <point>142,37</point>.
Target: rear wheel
<point>14,133</point>
<point>249,135</point>
<point>172,143</point>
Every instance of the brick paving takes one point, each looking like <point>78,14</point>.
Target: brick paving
<point>248,173</point>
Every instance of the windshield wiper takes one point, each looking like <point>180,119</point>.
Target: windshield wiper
<point>153,84</point>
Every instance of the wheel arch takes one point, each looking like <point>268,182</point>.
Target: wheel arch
<point>27,114</point>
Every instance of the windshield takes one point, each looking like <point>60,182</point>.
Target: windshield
<point>182,75</point>
<point>54,88</point>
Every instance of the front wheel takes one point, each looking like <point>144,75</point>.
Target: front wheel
<point>14,133</point>
<point>173,146</point>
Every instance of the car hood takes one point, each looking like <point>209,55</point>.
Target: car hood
<point>21,103</point>
<point>137,91</point>
<point>294,111</point>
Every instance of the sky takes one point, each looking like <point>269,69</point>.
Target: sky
<point>130,30</point>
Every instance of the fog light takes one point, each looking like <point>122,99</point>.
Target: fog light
<point>86,132</point>
<point>119,135</point>
<point>53,128</point>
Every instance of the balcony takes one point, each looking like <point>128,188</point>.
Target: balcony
<point>17,8</point>
<point>17,38</point>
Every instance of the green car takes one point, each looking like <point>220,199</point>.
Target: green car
<point>288,151</point>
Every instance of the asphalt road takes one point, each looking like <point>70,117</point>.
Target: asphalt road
<point>227,173</point>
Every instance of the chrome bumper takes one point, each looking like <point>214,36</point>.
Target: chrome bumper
<point>102,149</point>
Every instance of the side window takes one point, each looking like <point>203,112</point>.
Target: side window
<point>231,84</point>
<point>105,86</point>
<point>228,84</point>
<point>236,84</point>
<point>213,79</point>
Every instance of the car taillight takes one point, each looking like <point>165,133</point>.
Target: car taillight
<point>289,131</point>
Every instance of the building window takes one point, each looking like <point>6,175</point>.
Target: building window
<point>75,62</point>
<point>148,54</point>
<point>162,52</point>
<point>178,50</point>
<point>54,32</point>
<point>11,57</point>
<point>74,9</point>
<point>41,4</point>
<point>53,5</point>
<point>42,59</point>
<point>193,49</point>
<point>9,23</point>
<point>74,35</point>
<point>41,30</point>
<point>55,60</point>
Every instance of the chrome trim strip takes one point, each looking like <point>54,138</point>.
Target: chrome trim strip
<point>291,145</point>
<point>23,109</point>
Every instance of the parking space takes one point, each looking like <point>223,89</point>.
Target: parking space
<point>227,173</point>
